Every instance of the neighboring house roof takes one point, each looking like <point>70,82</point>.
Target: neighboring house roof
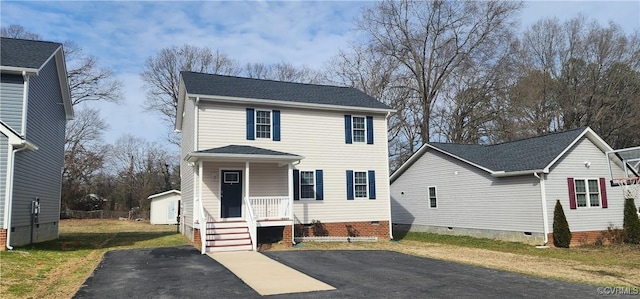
<point>164,193</point>
<point>243,152</point>
<point>535,154</point>
<point>29,56</point>
<point>239,89</point>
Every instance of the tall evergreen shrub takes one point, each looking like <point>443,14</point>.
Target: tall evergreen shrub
<point>631,223</point>
<point>561,232</point>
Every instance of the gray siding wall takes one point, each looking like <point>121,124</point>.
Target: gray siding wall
<point>4,147</point>
<point>11,100</point>
<point>187,172</point>
<point>572,165</point>
<point>38,173</point>
<point>467,197</point>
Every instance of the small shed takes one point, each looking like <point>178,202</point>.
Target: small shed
<point>165,207</point>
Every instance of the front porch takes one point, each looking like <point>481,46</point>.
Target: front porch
<point>239,189</point>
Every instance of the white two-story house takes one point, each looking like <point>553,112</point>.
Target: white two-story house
<point>265,160</point>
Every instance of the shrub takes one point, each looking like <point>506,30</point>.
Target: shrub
<point>613,235</point>
<point>561,232</point>
<point>631,223</point>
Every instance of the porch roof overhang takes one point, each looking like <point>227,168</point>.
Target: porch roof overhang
<point>241,153</point>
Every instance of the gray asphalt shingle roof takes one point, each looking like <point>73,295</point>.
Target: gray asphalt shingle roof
<point>22,53</point>
<point>218,85</point>
<point>520,155</point>
<point>243,150</point>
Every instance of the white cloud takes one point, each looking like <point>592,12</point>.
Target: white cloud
<point>122,35</point>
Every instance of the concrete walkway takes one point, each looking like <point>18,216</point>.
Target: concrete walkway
<point>266,276</point>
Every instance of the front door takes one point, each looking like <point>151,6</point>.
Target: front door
<point>231,194</point>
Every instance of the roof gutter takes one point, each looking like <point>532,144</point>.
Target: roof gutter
<point>500,174</point>
<point>244,157</point>
<point>236,100</point>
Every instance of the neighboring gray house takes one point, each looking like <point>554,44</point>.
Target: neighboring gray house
<point>35,105</point>
<point>509,190</point>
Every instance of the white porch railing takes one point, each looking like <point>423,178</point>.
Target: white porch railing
<point>251,223</point>
<point>271,207</point>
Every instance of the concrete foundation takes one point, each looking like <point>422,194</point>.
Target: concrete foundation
<point>532,238</point>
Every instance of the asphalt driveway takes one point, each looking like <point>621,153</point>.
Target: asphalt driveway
<point>182,272</point>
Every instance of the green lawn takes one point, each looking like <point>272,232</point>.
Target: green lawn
<point>56,269</point>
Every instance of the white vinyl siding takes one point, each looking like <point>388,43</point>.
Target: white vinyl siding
<point>511,203</point>
<point>187,172</point>
<point>572,165</point>
<point>324,148</point>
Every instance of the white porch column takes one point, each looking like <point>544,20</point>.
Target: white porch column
<point>246,180</point>
<point>290,184</point>
<point>200,171</point>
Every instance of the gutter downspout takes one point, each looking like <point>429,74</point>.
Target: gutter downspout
<point>545,215</point>
<point>386,120</point>
<point>195,124</point>
<point>9,205</point>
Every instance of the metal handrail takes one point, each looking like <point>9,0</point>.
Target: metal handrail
<point>251,223</point>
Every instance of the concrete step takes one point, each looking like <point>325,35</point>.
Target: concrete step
<point>230,242</point>
<point>234,236</point>
<point>230,248</point>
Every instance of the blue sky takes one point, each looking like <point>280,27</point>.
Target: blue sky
<point>123,34</point>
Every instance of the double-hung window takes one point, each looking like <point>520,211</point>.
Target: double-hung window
<point>307,190</point>
<point>308,185</point>
<point>360,183</point>
<point>358,129</point>
<point>585,193</point>
<point>263,124</point>
<point>433,200</point>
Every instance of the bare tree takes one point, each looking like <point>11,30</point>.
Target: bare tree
<point>161,75</point>
<point>432,40</point>
<point>283,71</point>
<point>17,31</point>
<point>84,156</point>
<point>577,73</point>
<point>141,169</point>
